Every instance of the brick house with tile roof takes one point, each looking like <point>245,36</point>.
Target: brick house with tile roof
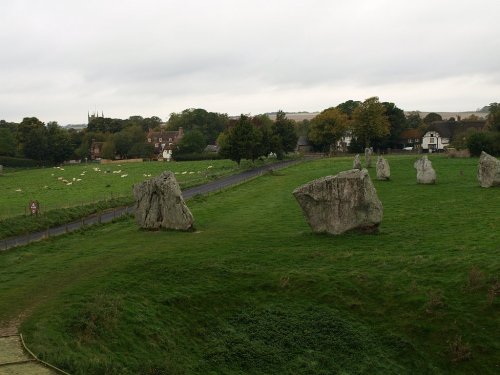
<point>164,141</point>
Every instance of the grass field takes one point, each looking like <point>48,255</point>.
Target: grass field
<point>253,291</point>
<point>75,185</point>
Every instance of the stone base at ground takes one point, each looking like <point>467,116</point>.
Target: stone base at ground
<point>368,157</point>
<point>425,173</point>
<point>356,164</point>
<point>336,204</point>
<point>488,170</point>
<point>159,204</point>
<point>383,169</point>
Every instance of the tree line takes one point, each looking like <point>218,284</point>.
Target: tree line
<point>366,123</point>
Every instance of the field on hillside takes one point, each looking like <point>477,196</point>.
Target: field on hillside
<point>75,185</point>
<point>253,291</point>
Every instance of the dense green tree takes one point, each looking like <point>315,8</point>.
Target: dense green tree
<point>283,135</point>
<point>211,124</point>
<point>397,124</point>
<point>348,107</point>
<point>7,142</point>
<point>370,121</point>
<point>32,139</point>
<point>488,142</point>
<point>125,140</point>
<point>193,141</point>
<point>240,140</point>
<point>109,149</point>
<point>494,116</point>
<point>264,124</point>
<point>59,143</point>
<point>327,128</point>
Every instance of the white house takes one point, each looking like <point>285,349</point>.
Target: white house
<point>433,141</point>
<point>441,133</point>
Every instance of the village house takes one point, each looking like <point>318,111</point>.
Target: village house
<point>411,139</point>
<point>441,133</point>
<point>164,141</point>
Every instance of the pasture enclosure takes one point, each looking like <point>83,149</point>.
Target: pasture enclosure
<point>254,291</point>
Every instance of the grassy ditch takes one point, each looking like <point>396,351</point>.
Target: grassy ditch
<point>253,291</point>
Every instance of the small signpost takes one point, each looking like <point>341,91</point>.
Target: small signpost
<point>34,208</point>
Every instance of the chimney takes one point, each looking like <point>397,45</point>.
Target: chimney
<point>181,132</point>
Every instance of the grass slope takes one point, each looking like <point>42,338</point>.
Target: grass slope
<point>254,291</point>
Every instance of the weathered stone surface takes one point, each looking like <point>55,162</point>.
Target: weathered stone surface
<point>425,173</point>
<point>368,157</point>
<point>336,204</point>
<point>356,164</point>
<point>383,169</point>
<point>1,169</point>
<point>159,204</point>
<point>488,170</point>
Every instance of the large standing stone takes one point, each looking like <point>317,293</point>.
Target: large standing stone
<point>336,204</point>
<point>159,204</point>
<point>425,173</point>
<point>368,157</point>
<point>383,169</point>
<point>1,169</point>
<point>356,164</point>
<point>488,170</point>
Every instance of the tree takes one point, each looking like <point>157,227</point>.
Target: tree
<point>413,120</point>
<point>327,128</point>
<point>431,117</point>
<point>348,107</point>
<point>264,125</point>
<point>494,116</point>
<point>211,124</point>
<point>109,149</point>
<point>59,143</point>
<point>240,140</point>
<point>283,135</point>
<point>397,124</point>
<point>32,139</point>
<point>7,142</point>
<point>192,142</point>
<point>370,121</point>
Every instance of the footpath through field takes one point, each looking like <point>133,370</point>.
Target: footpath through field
<point>15,360</point>
<point>110,215</point>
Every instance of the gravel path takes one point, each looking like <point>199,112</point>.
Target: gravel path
<point>108,216</point>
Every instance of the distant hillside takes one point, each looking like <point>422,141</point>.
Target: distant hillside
<point>456,115</point>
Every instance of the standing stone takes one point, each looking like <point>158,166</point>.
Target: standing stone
<point>357,163</point>
<point>425,173</point>
<point>1,169</point>
<point>488,170</point>
<point>383,169</point>
<point>159,204</point>
<point>368,157</point>
<point>336,204</point>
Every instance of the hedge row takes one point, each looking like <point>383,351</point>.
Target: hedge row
<point>197,156</point>
<point>8,161</point>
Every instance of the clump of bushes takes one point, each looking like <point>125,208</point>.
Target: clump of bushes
<point>488,142</point>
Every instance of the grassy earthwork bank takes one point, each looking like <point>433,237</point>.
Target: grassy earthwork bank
<point>253,291</point>
<point>70,192</point>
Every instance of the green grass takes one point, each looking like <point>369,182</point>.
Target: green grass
<point>253,291</point>
<point>97,182</point>
<point>98,189</point>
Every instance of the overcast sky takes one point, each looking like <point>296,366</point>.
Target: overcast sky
<point>60,59</point>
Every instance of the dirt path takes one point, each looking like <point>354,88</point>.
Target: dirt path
<point>14,360</point>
